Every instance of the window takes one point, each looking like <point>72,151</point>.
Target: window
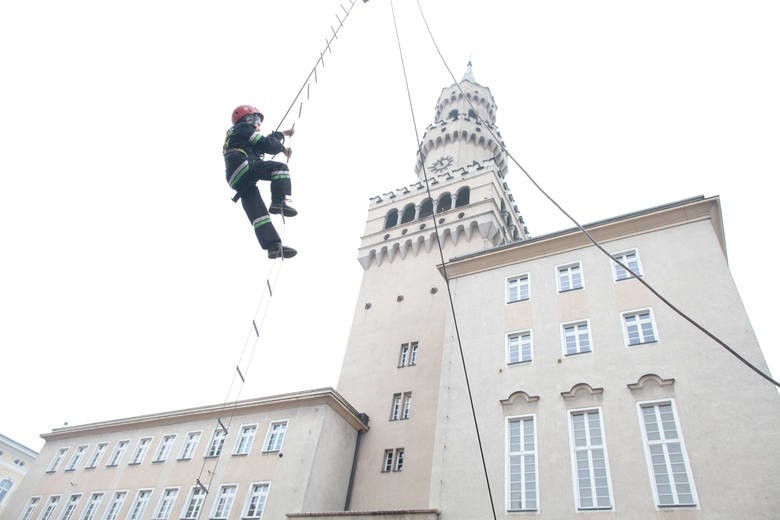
<point>462,197</point>
<point>165,505</point>
<point>139,504</point>
<point>666,456</point>
<point>444,203</point>
<point>194,503</point>
<point>589,458</point>
<point>519,348</point>
<point>164,449</point>
<point>407,215</point>
<point>140,450</point>
<point>217,441</point>
<point>77,456</point>
<point>189,446</point>
<point>100,449</point>
<point>391,219</point>
<point>29,509</point>
<point>275,436</point>
<point>224,502</point>
<point>5,486</point>
<point>521,464</point>
<point>70,506</point>
<point>407,408</point>
<point>393,460</point>
<point>245,439</point>
<point>112,513</point>
<point>569,277</point>
<point>631,260</point>
<point>395,410</point>
<point>639,327</point>
<point>453,114</point>
<point>49,508</point>
<point>255,502</point>
<point>576,338</point>
<point>119,452</point>
<point>92,505</point>
<point>408,355</point>
<point>55,462</point>
<point>401,407</point>
<point>426,208</point>
<point>518,288</point>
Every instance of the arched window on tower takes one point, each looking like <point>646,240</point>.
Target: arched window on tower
<point>463,197</point>
<point>426,208</point>
<point>392,218</point>
<point>472,114</point>
<point>453,114</point>
<point>408,214</point>
<point>445,203</point>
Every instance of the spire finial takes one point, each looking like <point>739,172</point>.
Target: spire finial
<point>469,75</point>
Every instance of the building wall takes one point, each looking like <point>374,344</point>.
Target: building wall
<point>320,437</point>
<point>15,459</point>
<point>728,415</point>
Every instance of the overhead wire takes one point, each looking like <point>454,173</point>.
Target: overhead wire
<point>579,226</point>
<point>446,278</point>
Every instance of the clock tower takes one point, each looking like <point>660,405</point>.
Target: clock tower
<point>392,364</point>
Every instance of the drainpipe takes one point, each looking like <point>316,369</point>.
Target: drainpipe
<point>364,419</point>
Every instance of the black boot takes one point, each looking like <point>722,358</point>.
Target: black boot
<point>278,250</point>
<point>283,208</point>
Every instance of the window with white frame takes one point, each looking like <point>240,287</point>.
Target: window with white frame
<point>255,501</point>
<point>394,460</point>
<point>119,452</point>
<point>639,327</point>
<point>165,505</point>
<point>5,486</point>
<point>189,445</point>
<point>521,464</point>
<point>518,288</point>
<point>667,458</point>
<point>164,448</point>
<point>29,509</point>
<point>194,503</point>
<point>387,462</point>
<point>49,508</point>
<point>139,504</point>
<point>245,439</point>
<point>399,459</point>
<point>76,458</point>
<point>569,277</point>
<point>519,348</point>
<point>395,410</point>
<point>56,460</point>
<point>112,513</point>
<point>576,338</point>
<point>91,508</point>
<point>224,502</point>
<point>589,458</point>
<point>70,506</point>
<point>275,436</point>
<point>408,355</point>
<point>140,450</point>
<point>406,411</point>
<point>630,259</point>
<point>94,460</point>
<point>217,441</point>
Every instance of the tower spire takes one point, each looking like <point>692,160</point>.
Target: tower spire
<point>469,75</point>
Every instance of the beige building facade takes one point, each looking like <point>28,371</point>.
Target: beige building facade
<point>252,459</point>
<point>15,460</point>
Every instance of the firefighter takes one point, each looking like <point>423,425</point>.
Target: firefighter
<point>243,151</point>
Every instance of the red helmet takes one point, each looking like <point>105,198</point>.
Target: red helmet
<point>245,110</point>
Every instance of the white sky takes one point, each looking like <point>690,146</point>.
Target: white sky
<point>128,278</point>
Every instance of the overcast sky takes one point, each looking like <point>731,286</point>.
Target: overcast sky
<point>129,279</point>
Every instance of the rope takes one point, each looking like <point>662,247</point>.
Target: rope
<point>444,266</point>
<point>589,236</point>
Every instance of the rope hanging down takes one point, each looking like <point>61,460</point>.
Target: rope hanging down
<point>589,236</point>
<point>444,266</point>
<point>244,363</point>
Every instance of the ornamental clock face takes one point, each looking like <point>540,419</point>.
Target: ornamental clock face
<point>442,163</point>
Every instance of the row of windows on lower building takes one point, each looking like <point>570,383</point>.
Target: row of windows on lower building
<point>244,442</point>
<point>667,461</point>
<point>638,329</point>
<point>253,505</point>
<point>571,277</point>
